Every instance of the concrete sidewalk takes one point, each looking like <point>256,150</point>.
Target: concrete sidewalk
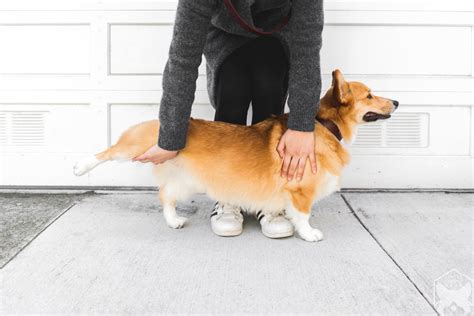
<point>113,253</point>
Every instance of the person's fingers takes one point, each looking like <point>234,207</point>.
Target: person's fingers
<point>293,166</point>
<point>300,168</point>
<point>159,160</point>
<point>281,148</point>
<point>138,158</point>
<point>312,160</point>
<point>286,164</point>
<point>145,159</point>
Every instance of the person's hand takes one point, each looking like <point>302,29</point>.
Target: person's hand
<point>156,155</point>
<point>294,148</point>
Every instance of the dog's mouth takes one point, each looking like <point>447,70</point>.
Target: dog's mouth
<point>372,117</point>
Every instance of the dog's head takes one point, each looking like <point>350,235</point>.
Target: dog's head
<point>354,103</point>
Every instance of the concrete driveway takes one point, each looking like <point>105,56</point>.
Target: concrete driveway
<point>384,253</point>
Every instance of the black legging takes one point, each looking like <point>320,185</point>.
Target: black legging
<point>256,72</point>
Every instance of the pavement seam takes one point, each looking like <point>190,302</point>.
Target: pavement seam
<point>39,233</point>
<point>387,253</point>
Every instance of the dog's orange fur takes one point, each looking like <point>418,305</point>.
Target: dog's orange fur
<point>240,164</point>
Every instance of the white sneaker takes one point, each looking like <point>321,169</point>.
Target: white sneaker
<point>226,220</point>
<point>275,226</point>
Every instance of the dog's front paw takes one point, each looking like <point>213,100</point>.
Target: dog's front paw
<point>311,234</point>
<point>176,222</point>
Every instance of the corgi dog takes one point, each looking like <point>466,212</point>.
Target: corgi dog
<point>240,165</point>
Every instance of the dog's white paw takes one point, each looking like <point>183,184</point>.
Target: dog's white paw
<point>79,169</point>
<point>311,234</point>
<point>83,166</point>
<point>176,222</point>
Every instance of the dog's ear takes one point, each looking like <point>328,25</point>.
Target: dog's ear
<point>341,91</point>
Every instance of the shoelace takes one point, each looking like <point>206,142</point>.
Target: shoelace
<point>221,210</point>
<point>260,216</point>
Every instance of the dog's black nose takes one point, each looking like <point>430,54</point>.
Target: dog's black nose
<point>395,103</point>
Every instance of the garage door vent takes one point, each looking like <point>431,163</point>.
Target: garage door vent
<point>3,128</point>
<point>403,130</point>
<point>25,128</point>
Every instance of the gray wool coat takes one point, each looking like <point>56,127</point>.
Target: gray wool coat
<point>206,27</point>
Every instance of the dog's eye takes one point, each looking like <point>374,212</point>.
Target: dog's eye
<point>369,96</point>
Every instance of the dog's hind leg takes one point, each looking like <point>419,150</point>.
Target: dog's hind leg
<point>85,165</point>
<point>132,143</point>
<point>117,152</point>
<point>168,201</point>
<point>88,163</point>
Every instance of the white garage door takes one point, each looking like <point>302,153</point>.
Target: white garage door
<point>74,74</point>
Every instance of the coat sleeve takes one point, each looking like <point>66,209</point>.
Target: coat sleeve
<point>192,22</point>
<point>304,86</point>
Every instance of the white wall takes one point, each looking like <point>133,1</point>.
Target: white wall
<point>74,74</point>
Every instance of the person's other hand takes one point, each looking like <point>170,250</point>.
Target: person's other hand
<point>294,148</point>
<point>156,155</point>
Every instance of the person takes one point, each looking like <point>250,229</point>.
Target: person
<point>258,52</point>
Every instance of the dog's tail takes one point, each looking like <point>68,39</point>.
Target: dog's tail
<point>134,141</point>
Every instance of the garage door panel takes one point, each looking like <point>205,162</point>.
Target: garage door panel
<point>397,50</point>
<point>140,49</point>
<point>417,130</point>
<point>45,49</point>
<point>48,128</point>
<point>409,172</point>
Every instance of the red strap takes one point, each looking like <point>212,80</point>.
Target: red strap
<point>247,26</point>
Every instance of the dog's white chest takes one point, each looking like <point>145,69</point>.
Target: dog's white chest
<point>330,184</point>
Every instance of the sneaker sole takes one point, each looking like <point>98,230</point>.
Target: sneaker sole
<point>228,233</point>
<point>278,235</point>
